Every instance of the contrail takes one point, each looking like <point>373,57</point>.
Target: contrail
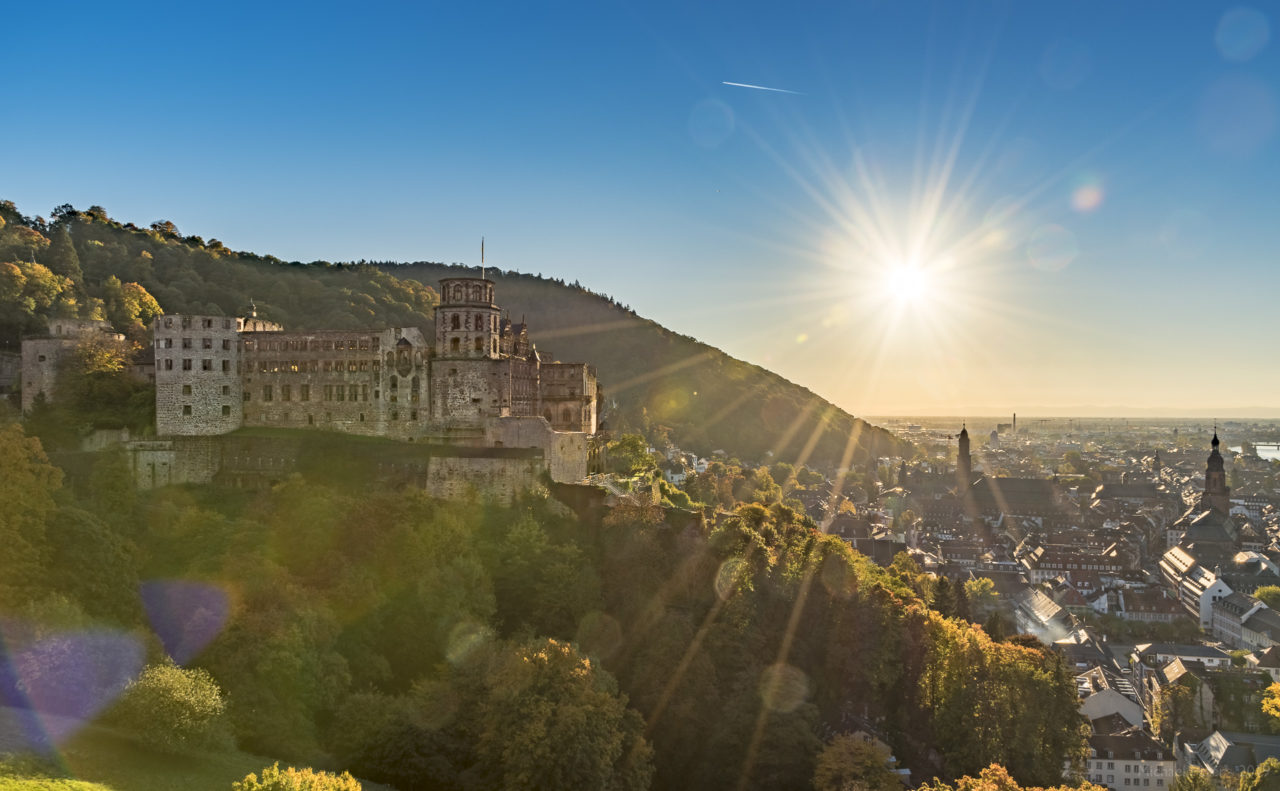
<point>762,88</point>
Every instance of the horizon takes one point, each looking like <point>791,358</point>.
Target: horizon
<point>931,209</point>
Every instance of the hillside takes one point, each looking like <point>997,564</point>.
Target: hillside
<point>658,379</point>
<point>655,381</point>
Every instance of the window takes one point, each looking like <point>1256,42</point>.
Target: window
<point>186,410</point>
<point>246,395</point>
<point>226,389</point>
<point>206,364</point>
<point>226,344</point>
<point>226,411</point>
<point>186,343</point>
<point>168,343</point>
<point>353,393</point>
<point>168,365</point>
<point>1111,764</point>
<point>186,389</point>
<point>286,393</point>
<point>456,323</point>
<point>208,324</point>
<point>479,344</point>
<point>455,345</point>
<point>186,363</point>
<point>206,343</point>
<point>304,392</point>
<point>266,393</point>
<point>226,366</point>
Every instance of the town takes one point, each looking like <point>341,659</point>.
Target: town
<point>1144,552</point>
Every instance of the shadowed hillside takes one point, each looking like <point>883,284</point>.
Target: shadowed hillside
<point>83,263</point>
<point>659,379</point>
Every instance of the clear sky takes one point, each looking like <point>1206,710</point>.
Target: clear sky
<point>962,208</point>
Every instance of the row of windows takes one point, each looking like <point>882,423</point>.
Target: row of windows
<point>287,417</point>
<point>226,390</point>
<point>205,323</point>
<point>1133,768</point>
<point>455,323</point>
<point>315,366</point>
<point>186,410</point>
<point>189,365</point>
<point>455,345</point>
<point>187,343</point>
<point>353,344</point>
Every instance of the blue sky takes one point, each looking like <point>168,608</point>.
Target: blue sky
<point>1105,234</point>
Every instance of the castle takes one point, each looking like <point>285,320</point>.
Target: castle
<point>484,407</point>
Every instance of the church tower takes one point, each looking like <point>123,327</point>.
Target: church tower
<point>1217,496</point>
<point>964,464</point>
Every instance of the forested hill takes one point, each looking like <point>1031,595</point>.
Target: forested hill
<point>84,263</point>
<point>664,382</point>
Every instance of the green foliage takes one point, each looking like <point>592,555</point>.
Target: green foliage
<point>1265,778</point>
<point>173,709</point>
<point>28,484</point>
<point>1270,596</point>
<point>290,779</point>
<point>629,455</point>
<point>850,762</point>
<point>1193,779</point>
<point>553,720</point>
<point>997,778</point>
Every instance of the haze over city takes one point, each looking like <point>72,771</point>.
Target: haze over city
<point>948,209</point>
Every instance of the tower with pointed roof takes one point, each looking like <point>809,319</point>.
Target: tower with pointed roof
<point>1217,495</point>
<point>964,463</point>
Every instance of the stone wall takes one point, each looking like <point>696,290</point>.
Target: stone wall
<point>565,453</point>
<point>198,388</point>
<point>10,372</point>
<point>567,392</point>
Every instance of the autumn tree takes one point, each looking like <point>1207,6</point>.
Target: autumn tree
<point>852,762</point>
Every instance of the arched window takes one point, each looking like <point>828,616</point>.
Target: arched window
<point>457,323</point>
<point>565,415</point>
<point>457,293</point>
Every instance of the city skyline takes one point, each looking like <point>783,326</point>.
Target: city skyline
<point>939,209</point>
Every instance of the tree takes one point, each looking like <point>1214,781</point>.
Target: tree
<point>173,709</point>
<point>1270,596</point>
<point>997,778</point>
<point>981,592</point>
<point>1194,779</point>
<point>852,762</point>
<point>1265,778</point>
<point>28,483</point>
<point>290,779</point>
<point>629,454</point>
<point>943,600</point>
<point>62,258</point>
<point>1271,704</point>
<point>551,719</point>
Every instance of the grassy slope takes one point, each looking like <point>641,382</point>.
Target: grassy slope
<point>739,407</point>
<point>97,759</point>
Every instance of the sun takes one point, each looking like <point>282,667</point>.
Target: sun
<point>907,283</point>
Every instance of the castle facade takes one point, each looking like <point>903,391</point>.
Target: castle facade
<point>476,382</point>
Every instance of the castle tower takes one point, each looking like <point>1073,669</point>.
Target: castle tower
<point>468,324</point>
<point>1217,496</point>
<point>964,463</point>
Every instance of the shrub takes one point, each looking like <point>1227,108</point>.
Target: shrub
<point>276,779</point>
<point>174,709</point>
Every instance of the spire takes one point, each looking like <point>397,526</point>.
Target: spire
<point>482,258</point>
